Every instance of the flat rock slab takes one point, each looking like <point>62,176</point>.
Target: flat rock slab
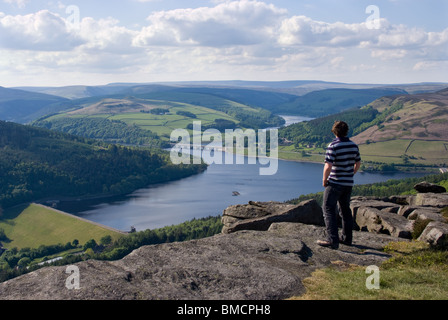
<point>247,264</point>
<point>260,215</point>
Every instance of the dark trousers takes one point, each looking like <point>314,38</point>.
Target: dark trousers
<point>336,194</point>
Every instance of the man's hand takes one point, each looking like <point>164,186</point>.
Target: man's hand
<point>357,166</point>
<point>327,171</point>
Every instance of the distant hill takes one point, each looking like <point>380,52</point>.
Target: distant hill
<point>419,116</point>
<point>292,87</point>
<point>161,110</point>
<point>37,163</point>
<point>79,92</point>
<point>299,97</point>
<point>317,132</point>
<point>404,130</point>
<point>23,106</point>
<point>331,101</point>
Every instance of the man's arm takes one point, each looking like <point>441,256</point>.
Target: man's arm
<point>357,166</point>
<point>327,171</point>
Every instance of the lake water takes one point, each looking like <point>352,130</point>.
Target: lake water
<point>209,193</point>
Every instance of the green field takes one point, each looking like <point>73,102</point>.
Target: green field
<point>162,125</point>
<point>418,152</point>
<point>397,152</point>
<point>29,226</point>
<point>429,151</point>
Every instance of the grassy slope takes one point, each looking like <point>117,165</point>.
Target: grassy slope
<point>419,130</point>
<point>33,225</point>
<point>415,272</point>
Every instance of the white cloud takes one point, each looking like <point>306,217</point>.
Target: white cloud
<point>18,3</point>
<point>301,30</point>
<point>231,39</point>
<point>41,31</point>
<point>106,35</point>
<point>226,24</point>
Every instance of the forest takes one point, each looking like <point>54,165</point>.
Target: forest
<point>317,132</point>
<point>114,131</point>
<point>38,163</point>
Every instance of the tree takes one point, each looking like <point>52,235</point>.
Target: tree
<point>3,236</point>
<point>24,262</point>
<point>89,252</point>
<point>90,244</point>
<point>106,240</point>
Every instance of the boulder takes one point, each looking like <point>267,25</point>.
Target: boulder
<point>376,221</point>
<point>436,234</point>
<point>260,215</point>
<point>438,200</point>
<point>426,187</point>
<point>405,211</point>
<point>371,202</point>
<point>426,214</point>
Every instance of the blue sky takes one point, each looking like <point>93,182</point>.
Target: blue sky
<point>105,41</point>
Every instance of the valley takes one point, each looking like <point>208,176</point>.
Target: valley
<point>403,125</point>
<point>118,133</point>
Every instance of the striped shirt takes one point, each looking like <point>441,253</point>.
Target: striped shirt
<point>342,153</point>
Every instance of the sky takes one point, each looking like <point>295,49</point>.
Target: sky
<point>96,42</point>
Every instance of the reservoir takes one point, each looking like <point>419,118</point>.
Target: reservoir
<point>209,193</point>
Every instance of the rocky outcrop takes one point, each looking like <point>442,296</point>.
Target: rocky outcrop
<point>425,187</point>
<point>436,234</point>
<point>265,251</point>
<point>377,221</point>
<point>398,216</point>
<point>247,264</point>
<point>437,200</point>
<point>260,215</point>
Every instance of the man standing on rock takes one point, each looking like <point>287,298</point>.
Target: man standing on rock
<point>342,161</point>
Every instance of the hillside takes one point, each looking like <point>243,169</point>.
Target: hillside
<point>303,97</point>
<point>290,87</point>
<point>38,163</point>
<point>155,113</point>
<point>23,106</point>
<point>410,129</point>
<point>331,101</point>
<point>419,116</point>
<point>30,226</point>
<point>406,132</point>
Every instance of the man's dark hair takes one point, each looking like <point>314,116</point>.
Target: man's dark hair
<point>340,129</point>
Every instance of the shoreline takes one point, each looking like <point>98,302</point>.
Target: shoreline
<point>430,170</point>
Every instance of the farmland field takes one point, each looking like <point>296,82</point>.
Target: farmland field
<point>418,151</point>
<point>161,124</point>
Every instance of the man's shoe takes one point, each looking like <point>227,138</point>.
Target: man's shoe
<point>347,243</point>
<point>327,244</point>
